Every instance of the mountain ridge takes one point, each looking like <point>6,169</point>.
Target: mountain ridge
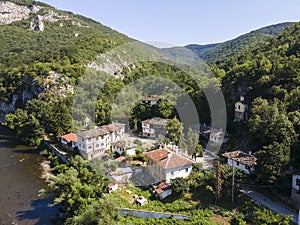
<point>211,51</point>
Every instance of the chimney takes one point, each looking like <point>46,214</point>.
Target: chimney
<point>169,154</point>
<point>242,98</point>
<point>165,145</point>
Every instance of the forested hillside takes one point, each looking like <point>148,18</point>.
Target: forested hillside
<point>217,53</point>
<point>270,76</point>
<point>43,54</point>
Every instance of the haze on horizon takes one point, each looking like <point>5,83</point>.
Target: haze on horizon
<point>182,23</point>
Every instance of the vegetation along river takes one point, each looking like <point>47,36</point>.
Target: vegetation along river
<point>20,181</point>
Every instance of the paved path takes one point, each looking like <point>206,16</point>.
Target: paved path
<point>275,206</point>
<point>207,160</point>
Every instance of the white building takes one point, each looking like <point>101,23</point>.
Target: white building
<point>296,190</point>
<point>93,143</point>
<point>240,110</point>
<point>213,134</point>
<point>155,127</point>
<point>69,140</point>
<point>124,147</point>
<point>218,136</point>
<point>241,160</point>
<point>166,165</point>
<point>112,186</point>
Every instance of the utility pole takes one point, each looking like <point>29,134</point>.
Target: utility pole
<point>232,188</point>
<point>218,181</point>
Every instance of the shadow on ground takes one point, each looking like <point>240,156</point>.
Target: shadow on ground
<point>41,212</point>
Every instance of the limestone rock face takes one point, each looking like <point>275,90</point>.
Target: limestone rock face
<point>37,24</point>
<point>10,12</point>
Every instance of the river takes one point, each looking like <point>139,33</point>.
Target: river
<point>20,181</point>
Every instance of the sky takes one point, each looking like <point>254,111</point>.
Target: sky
<point>180,22</point>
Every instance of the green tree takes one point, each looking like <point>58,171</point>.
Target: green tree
<point>165,108</point>
<point>99,212</point>
<point>138,142</point>
<point>192,139</point>
<point>267,217</point>
<point>272,161</point>
<point>239,177</point>
<point>269,123</point>
<point>238,219</point>
<point>76,187</point>
<point>175,130</point>
<point>180,185</point>
<point>198,152</point>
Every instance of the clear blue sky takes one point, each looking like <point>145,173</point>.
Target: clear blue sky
<point>182,22</point>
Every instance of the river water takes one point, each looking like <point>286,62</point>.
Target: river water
<point>20,181</point>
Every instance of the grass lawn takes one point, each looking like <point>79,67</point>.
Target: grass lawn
<point>177,204</point>
<point>171,204</point>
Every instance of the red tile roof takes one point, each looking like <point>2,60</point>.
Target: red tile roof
<point>161,187</point>
<point>151,98</point>
<point>120,159</point>
<point>111,184</point>
<point>168,159</point>
<point>70,137</point>
<point>157,155</point>
<point>241,157</point>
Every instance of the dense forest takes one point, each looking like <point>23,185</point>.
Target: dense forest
<point>217,53</point>
<point>269,74</point>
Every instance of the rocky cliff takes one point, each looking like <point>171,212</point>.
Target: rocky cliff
<point>44,51</point>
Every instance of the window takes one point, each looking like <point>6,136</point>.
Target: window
<point>89,139</point>
<point>237,163</point>
<point>172,173</point>
<point>97,145</point>
<point>89,147</point>
<point>186,170</point>
<point>298,182</point>
<point>97,138</point>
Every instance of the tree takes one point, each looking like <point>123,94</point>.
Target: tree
<point>239,177</point>
<point>272,160</point>
<point>138,142</point>
<point>140,154</point>
<point>267,217</point>
<point>192,139</point>
<point>165,108</point>
<point>198,151</point>
<point>238,219</point>
<point>174,130</point>
<point>180,185</point>
<point>100,212</point>
<point>269,123</point>
<point>102,167</point>
<point>275,134</point>
<point>76,187</point>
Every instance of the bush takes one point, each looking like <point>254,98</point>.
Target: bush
<point>238,219</point>
<point>138,142</point>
